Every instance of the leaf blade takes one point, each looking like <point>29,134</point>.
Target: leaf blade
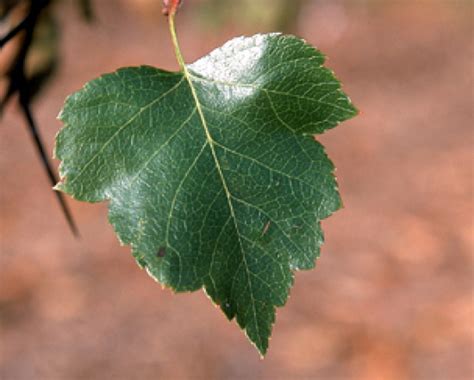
<point>211,173</point>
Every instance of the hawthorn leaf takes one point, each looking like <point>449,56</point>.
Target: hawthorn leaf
<point>212,174</point>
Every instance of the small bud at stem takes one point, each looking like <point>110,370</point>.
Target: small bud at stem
<point>171,6</point>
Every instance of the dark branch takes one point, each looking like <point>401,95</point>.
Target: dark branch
<point>18,83</point>
<point>34,133</point>
<point>12,33</point>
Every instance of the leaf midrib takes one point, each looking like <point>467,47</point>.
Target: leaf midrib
<point>211,143</point>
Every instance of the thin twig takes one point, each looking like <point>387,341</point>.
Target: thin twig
<point>18,83</point>
<point>12,33</point>
<point>34,133</point>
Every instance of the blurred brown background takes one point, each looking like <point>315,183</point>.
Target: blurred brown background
<point>392,295</point>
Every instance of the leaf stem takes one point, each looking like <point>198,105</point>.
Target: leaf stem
<point>174,37</point>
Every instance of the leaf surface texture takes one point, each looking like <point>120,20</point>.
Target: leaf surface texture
<point>212,173</point>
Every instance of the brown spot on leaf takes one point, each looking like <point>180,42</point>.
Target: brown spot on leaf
<point>161,252</point>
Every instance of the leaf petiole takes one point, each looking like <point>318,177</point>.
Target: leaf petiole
<point>174,37</point>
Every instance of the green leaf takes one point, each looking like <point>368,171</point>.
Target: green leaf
<point>212,173</point>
